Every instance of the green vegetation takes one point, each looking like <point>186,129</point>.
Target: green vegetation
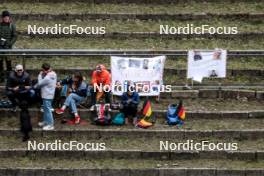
<point>73,7</point>
<point>148,26</point>
<point>57,163</point>
<point>131,43</point>
<point>122,142</point>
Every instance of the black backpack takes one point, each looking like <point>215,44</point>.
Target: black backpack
<point>103,116</point>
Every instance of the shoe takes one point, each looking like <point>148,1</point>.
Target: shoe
<point>25,138</point>
<point>92,108</point>
<point>41,124</point>
<point>59,111</point>
<point>48,127</point>
<point>77,119</point>
<point>14,109</point>
<point>135,121</point>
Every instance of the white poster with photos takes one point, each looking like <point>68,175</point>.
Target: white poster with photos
<point>145,73</point>
<point>206,64</point>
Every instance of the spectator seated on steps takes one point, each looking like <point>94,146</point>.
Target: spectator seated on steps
<point>77,89</point>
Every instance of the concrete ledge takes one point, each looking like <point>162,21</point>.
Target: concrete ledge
<point>35,113</point>
<point>137,154</point>
<point>131,172</point>
<point>173,134</point>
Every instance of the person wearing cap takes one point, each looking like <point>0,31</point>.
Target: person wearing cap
<point>101,81</point>
<point>8,37</point>
<point>18,86</point>
<point>47,80</point>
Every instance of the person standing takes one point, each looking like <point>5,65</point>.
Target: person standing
<point>47,80</point>
<point>8,37</point>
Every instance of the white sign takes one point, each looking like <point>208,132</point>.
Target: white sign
<point>145,73</point>
<point>208,64</point>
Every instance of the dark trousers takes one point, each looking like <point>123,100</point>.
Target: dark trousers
<point>2,69</point>
<point>8,65</point>
<point>130,110</point>
<point>17,97</point>
<point>107,96</point>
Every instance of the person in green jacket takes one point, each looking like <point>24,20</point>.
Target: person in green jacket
<point>8,37</point>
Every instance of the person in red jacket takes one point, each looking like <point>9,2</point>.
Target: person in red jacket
<point>101,82</point>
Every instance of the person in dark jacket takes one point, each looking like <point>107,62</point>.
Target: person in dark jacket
<point>78,91</point>
<point>130,101</point>
<point>8,37</point>
<point>18,86</point>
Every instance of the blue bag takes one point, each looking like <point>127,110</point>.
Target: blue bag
<point>172,115</point>
<point>119,119</point>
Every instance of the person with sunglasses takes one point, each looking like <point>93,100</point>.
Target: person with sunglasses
<point>18,86</point>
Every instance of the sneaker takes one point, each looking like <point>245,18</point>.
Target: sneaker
<point>41,124</point>
<point>41,109</point>
<point>14,108</point>
<point>48,127</point>
<point>59,111</point>
<point>92,108</point>
<point>77,119</point>
<point>134,120</point>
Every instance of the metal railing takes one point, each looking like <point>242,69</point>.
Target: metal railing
<point>87,52</point>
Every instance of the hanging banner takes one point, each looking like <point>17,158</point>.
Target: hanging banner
<point>206,64</point>
<point>145,73</point>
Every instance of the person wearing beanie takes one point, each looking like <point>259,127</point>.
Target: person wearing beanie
<point>8,37</point>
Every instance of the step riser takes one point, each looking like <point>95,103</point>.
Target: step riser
<point>131,172</point>
<point>159,114</point>
<point>179,155</point>
<point>180,73</point>
<point>172,134</point>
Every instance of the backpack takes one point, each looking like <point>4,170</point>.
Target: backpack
<point>175,114</point>
<point>103,116</point>
<point>119,119</point>
<point>5,104</point>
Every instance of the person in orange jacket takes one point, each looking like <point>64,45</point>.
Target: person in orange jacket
<point>101,82</point>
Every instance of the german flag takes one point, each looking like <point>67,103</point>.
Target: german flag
<point>181,111</point>
<point>147,111</point>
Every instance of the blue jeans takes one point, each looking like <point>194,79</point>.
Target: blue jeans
<point>72,100</point>
<point>47,115</point>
